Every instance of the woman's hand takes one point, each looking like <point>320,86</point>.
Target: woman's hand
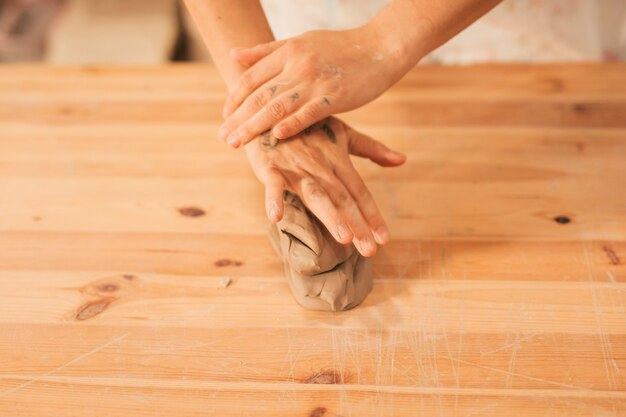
<point>294,83</point>
<point>319,170</point>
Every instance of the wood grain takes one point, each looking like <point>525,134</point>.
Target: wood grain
<point>503,291</point>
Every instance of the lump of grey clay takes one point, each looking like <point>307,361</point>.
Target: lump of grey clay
<point>323,274</point>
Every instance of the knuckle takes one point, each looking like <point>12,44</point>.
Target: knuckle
<point>307,70</point>
<point>257,101</point>
<point>269,173</point>
<point>310,60</point>
<point>339,90</point>
<point>276,109</point>
<point>230,124</point>
<point>272,168</point>
<point>294,124</point>
<point>244,133</point>
<point>316,192</point>
<point>315,154</point>
<point>312,189</point>
<point>312,111</point>
<point>360,189</point>
<point>295,45</point>
<point>374,219</point>
<point>246,82</point>
<point>343,199</point>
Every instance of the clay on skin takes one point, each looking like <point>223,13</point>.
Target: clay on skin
<point>322,273</point>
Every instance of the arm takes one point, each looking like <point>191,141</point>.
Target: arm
<point>421,26</point>
<point>294,83</point>
<point>226,24</point>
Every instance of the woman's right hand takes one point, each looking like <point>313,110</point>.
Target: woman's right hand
<point>316,166</point>
<point>294,83</point>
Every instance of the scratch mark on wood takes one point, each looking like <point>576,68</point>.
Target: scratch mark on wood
<point>524,376</point>
<point>71,362</point>
<point>508,345</point>
<point>605,343</point>
<point>611,277</point>
<point>224,282</point>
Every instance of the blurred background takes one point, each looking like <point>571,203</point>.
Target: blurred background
<point>153,32</point>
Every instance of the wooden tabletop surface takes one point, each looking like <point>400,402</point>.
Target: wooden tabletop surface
<point>502,293</point>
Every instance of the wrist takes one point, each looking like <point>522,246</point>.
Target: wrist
<point>395,54</point>
<point>404,41</point>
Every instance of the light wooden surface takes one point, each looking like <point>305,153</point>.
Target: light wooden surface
<point>111,301</point>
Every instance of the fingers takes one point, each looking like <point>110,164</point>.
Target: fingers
<point>250,56</point>
<point>253,104</point>
<point>250,81</point>
<point>333,206</point>
<point>319,202</point>
<point>248,124</point>
<point>274,189</point>
<point>351,214</point>
<point>366,147</point>
<point>324,184</point>
<point>312,112</point>
<point>366,204</point>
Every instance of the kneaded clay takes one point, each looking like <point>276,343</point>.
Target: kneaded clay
<point>323,274</point>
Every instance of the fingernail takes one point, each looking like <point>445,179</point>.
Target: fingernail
<point>343,232</point>
<point>233,140</point>
<point>381,235</point>
<point>222,133</point>
<point>368,246</point>
<point>279,132</point>
<point>274,213</point>
<point>399,154</point>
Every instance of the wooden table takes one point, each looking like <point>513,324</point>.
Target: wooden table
<point>503,292</point>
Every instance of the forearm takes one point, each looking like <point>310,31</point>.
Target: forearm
<point>410,29</point>
<point>225,24</point>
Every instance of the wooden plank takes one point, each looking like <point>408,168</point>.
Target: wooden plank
<point>457,113</point>
<point>359,358</point>
<point>420,305</point>
<point>203,254</point>
<point>202,399</point>
<point>513,83</point>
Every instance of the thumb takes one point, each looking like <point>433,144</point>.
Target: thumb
<point>252,55</point>
<point>366,147</point>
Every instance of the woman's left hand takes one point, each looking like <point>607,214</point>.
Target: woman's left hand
<point>295,83</point>
<point>316,166</point>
